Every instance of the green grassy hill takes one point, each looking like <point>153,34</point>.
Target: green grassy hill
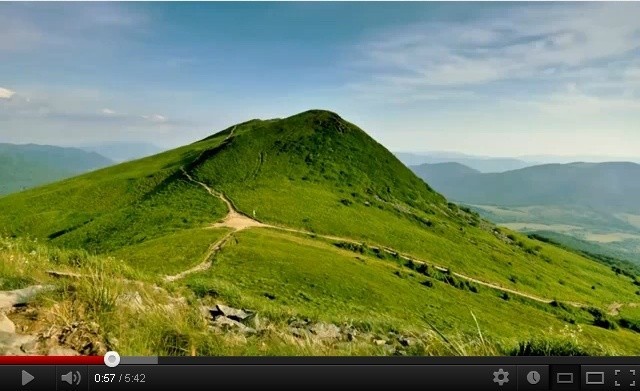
<point>342,232</point>
<point>29,165</point>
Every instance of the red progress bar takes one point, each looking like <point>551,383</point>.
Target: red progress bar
<point>51,360</point>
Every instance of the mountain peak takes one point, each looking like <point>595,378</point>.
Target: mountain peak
<point>313,149</point>
<point>323,121</point>
<point>318,113</point>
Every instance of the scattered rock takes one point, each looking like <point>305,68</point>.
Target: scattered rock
<point>253,321</point>
<point>62,351</point>
<point>17,297</point>
<point>6,325</point>
<point>228,318</point>
<point>132,300</point>
<point>326,331</point>
<point>299,323</point>
<point>83,337</point>
<point>11,344</point>
<point>31,347</point>
<point>299,333</point>
<point>379,342</point>
<point>14,343</point>
<point>222,322</point>
<point>231,313</point>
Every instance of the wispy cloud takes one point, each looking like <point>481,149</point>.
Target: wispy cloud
<point>574,102</point>
<point>72,107</point>
<point>155,118</point>
<point>25,26</point>
<point>6,93</point>
<point>523,44</point>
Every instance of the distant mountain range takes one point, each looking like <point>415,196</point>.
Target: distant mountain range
<point>123,151</point>
<point>598,203</point>
<point>480,163</point>
<point>600,186</point>
<point>27,165</point>
<point>488,164</point>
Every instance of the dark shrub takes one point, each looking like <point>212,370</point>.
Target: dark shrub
<point>427,283</point>
<point>633,325</point>
<point>423,268</point>
<point>600,319</point>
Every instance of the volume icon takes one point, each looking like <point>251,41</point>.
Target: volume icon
<point>72,378</point>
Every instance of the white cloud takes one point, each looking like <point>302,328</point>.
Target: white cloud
<point>155,118</point>
<point>525,43</point>
<point>6,93</point>
<point>27,27</point>
<point>74,107</point>
<point>577,104</point>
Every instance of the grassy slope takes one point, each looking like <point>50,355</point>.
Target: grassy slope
<point>115,207</point>
<point>304,171</point>
<point>172,253</point>
<point>315,172</point>
<point>306,277</point>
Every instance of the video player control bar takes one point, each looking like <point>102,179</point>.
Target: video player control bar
<point>321,376</point>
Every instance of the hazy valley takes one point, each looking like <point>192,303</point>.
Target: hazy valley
<point>590,206</point>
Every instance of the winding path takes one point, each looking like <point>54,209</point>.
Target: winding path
<point>206,263</point>
<point>238,221</point>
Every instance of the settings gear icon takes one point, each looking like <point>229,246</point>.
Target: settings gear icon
<point>501,377</point>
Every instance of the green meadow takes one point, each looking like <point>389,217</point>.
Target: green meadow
<point>353,239</point>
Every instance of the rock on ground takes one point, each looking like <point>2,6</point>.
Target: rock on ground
<point>6,325</point>
<point>231,313</point>
<point>10,299</point>
<point>228,318</point>
<point>326,331</point>
<point>225,323</point>
<point>12,344</point>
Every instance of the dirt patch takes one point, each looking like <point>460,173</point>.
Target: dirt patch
<point>237,222</point>
<point>614,309</point>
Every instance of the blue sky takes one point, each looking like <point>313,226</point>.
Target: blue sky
<point>505,79</point>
